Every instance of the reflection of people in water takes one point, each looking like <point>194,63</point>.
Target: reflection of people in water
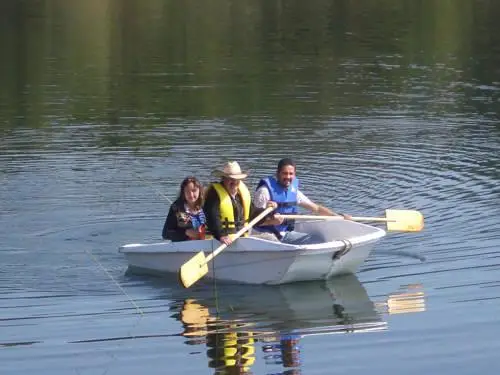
<point>229,351</point>
<point>290,351</point>
<point>279,319</point>
<point>285,352</point>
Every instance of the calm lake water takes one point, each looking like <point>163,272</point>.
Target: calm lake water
<point>105,106</point>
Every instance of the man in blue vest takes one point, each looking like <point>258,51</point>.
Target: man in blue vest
<point>284,190</point>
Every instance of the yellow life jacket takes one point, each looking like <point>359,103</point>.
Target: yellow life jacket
<point>227,218</point>
<point>247,343</point>
<point>230,348</point>
<point>233,349</point>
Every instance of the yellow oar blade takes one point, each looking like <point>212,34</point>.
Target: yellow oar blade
<point>404,220</point>
<point>196,267</point>
<point>193,270</point>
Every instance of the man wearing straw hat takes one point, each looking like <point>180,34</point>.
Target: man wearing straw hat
<point>228,203</point>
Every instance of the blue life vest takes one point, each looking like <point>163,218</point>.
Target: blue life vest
<point>286,198</point>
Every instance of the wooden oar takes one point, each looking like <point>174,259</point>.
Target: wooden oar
<point>196,267</point>
<point>396,220</point>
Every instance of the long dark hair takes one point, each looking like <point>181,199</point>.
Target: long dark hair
<point>191,180</point>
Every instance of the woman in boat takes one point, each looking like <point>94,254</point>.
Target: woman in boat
<point>228,203</point>
<point>186,219</point>
<point>284,190</point>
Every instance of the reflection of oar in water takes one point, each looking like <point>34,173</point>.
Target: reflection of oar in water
<point>409,300</point>
<point>197,267</point>
<point>396,220</point>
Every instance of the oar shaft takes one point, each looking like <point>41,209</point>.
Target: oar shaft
<point>366,218</point>
<point>324,217</point>
<point>307,217</point>
<point>396,220</point>
<point>238,234</point>
<point>214,253</point>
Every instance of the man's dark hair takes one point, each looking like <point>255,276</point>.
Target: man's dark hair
<point>284,162</point>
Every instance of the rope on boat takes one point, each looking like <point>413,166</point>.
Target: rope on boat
<point>345,250</point>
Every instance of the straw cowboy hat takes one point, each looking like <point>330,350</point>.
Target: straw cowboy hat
<point>231,170</point>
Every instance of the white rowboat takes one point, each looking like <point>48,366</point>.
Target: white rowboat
<point>253,260</point>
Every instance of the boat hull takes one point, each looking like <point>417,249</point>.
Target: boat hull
<point>254,260</point>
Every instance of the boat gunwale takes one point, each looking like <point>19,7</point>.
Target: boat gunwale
<point>308,249</point>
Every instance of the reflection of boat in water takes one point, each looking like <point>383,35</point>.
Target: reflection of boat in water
<point>233,321</point>
<point>337,304</point>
